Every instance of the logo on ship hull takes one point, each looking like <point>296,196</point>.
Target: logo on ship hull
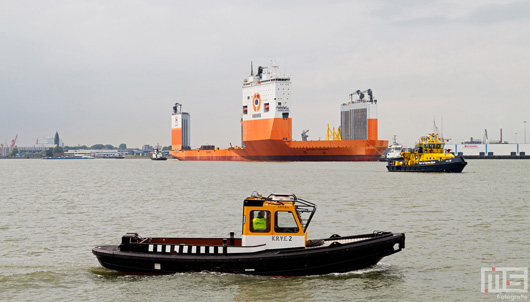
<point>176,122</point>
<point>256,102</point>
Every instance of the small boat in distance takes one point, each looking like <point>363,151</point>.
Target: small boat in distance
<point>427,156</point>
<point>393,151</point>
<point>158,155</point>
<point>274,243</point>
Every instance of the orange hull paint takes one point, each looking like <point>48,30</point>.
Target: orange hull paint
<point>208,155</point>
<point>176,138</point>
<point>372,129</point>
<point>267,129</point>
<point>359,150</point>
<point>270,140</point>
<point>274,150</point>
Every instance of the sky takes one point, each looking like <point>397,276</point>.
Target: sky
<point>109,72</point>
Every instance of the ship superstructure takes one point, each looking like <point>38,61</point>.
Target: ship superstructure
<point>266,127</point>
<point>358,117</point>
<point>265,114</point>
<point>180,129</point>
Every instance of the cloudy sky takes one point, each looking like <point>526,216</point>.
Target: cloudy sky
<point>110,71</point>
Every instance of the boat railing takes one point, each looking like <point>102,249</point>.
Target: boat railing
<point>192,248</point>
<point>304,208</point>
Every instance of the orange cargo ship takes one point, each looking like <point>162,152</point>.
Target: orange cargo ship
<point>267,128</point>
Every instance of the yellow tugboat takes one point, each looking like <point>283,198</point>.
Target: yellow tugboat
<point>428,156</point>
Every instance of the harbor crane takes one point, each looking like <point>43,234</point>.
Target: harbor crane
<point>14,141</point>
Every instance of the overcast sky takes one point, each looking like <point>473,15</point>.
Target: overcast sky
<point>110,71</point>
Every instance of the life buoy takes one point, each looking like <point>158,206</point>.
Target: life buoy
<point>256,102</point>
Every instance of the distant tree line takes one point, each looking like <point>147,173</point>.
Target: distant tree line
<point>13,152</point>
<point>97,147</point>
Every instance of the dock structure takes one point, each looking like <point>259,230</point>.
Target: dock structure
<point>490,151</point>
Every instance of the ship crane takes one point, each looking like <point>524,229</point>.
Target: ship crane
<point>361,95</point>
<point>177,109</point>
<point>304,135</point>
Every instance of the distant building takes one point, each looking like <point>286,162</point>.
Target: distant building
<point>25,151</point>
<point>49,141</point>
<point>99,153</point>
<point>41,145</point>
<point>478,150</point>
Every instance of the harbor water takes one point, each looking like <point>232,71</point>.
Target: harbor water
<point>53,212</point>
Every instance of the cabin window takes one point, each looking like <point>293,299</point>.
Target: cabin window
<point>245,109</point>
<point>260,221</point>
<point>266,107</point>
<point>285,222</point>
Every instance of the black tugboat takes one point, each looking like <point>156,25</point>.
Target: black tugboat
<point>428,156</point>
<point>273,243</point>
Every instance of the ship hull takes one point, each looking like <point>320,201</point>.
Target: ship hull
<point>275,150</point>
<point>454,165</point>
<point>208,155</point>
<point>331,258</point>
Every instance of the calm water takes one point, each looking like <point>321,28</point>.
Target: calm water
<point>54,211</point>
